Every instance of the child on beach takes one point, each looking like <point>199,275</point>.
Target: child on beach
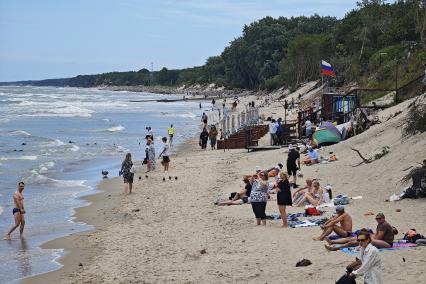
<point>166,154</point>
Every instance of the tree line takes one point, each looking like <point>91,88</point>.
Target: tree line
<point>368,46</point>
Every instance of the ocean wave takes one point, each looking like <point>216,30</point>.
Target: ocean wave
<point>56,109</point>
<point>115,128</point>
<point>20,133</point>
<point>1,210</point>
<point>4,120</point>
<point>179,115</point>
<point>37,178</point>
<point>32,158</point>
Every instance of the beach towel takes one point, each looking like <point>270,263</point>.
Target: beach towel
<point>396,246</point>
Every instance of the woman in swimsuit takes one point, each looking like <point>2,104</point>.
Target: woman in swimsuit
<point>315,197</point>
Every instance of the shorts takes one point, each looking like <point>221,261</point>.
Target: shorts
<point>166,159</point>
<point>245,199</point>
<point>259,210</point>
<point>15,210</point>
<point>291,170</point>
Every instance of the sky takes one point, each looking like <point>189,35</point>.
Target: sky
<point>42,39</point>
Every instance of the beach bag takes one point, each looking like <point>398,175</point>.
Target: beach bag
<point>341,200</point>
<point>412,236</point>
<point>312,211</point>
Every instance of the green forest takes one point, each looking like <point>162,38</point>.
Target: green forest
<point>368,47</point>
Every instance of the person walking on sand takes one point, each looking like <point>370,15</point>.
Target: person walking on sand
<point>204,119</point>
<point>150,155</point>
<point>18,211</point>
<point>345,228</point>
<point>283,197</point>
<point>171,132</point>
<point>126,171</point>
<point>371,262</point>
<point>204,136</point>
<point>293,163</point>
<point>213,137</point>
<point>165,154</point>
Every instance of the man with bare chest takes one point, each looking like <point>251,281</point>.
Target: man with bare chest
<point>18,211</point>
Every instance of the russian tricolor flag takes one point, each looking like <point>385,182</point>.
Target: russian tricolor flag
<point>327,69</point>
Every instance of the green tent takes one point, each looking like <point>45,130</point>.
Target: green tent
<point>325,136</point>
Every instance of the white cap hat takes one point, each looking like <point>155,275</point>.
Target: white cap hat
<point>290,147</point>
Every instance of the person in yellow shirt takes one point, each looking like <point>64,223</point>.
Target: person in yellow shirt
<point>171,132</point>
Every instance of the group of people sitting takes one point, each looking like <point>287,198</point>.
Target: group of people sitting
<point>341,225</point>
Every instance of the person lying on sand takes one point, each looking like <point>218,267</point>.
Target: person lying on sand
<point>335,245</point>
<point>314,197</point>
<point>345,228</point>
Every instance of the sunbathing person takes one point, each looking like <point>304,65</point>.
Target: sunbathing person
<point>244,192</point>
<point>352,241</point>
<point>312,158</point>
<point>243,200</point>
<point>240,197</point>
<point>314,197</point>
<point>345,228</point>
<point>384,236</point>
<point>300,193</point>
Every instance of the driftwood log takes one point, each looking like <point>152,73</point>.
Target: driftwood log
<point>364,160</point>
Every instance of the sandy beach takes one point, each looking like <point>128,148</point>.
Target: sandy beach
<point>170,231</point>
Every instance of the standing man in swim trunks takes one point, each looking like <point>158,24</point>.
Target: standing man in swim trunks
<point>18,211</point>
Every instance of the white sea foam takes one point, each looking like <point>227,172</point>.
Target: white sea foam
<point>1,210</point>
<point>54,143</point>
<point>45,167</point>
<point>74,148</point>
<point>115,128</point>
<point>4,120</point>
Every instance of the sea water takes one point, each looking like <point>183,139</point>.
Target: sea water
<point>58,140</point>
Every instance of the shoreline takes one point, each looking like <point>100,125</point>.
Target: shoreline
<point>74,252</point>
